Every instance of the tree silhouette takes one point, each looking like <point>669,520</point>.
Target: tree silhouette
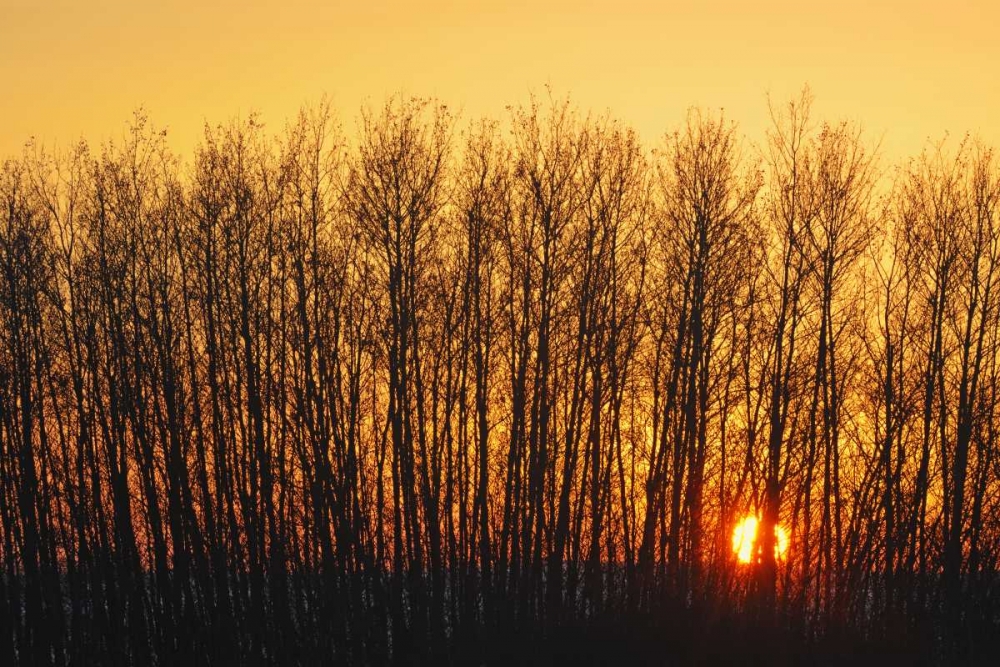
<point>436,392</point>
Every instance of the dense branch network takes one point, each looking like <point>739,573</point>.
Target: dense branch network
<point>313,399</point>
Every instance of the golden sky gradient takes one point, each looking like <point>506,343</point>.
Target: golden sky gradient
<point>907,69</point>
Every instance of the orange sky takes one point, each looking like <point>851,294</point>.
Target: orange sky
<point>908,69</point>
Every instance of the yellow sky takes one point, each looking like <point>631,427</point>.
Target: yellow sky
<point>908,70</point>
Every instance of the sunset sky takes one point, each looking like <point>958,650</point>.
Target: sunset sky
<point>907,69</point>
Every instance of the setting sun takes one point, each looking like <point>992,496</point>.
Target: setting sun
<point>399,332</point>
<point>745,535</point>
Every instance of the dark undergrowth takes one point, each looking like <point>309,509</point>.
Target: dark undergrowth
<point>690,639</point>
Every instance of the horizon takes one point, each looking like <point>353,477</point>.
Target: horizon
<point>687,351</point>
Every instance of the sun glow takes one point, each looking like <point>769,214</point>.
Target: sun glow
<point>745,537</point>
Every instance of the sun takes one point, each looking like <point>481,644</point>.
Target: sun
<point>745,536</point>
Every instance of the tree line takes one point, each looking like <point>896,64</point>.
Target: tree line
<point>321,397</point>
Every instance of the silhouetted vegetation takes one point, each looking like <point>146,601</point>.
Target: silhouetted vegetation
<point>499,392</point>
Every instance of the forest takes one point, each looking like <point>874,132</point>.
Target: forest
<point>418,389</point>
